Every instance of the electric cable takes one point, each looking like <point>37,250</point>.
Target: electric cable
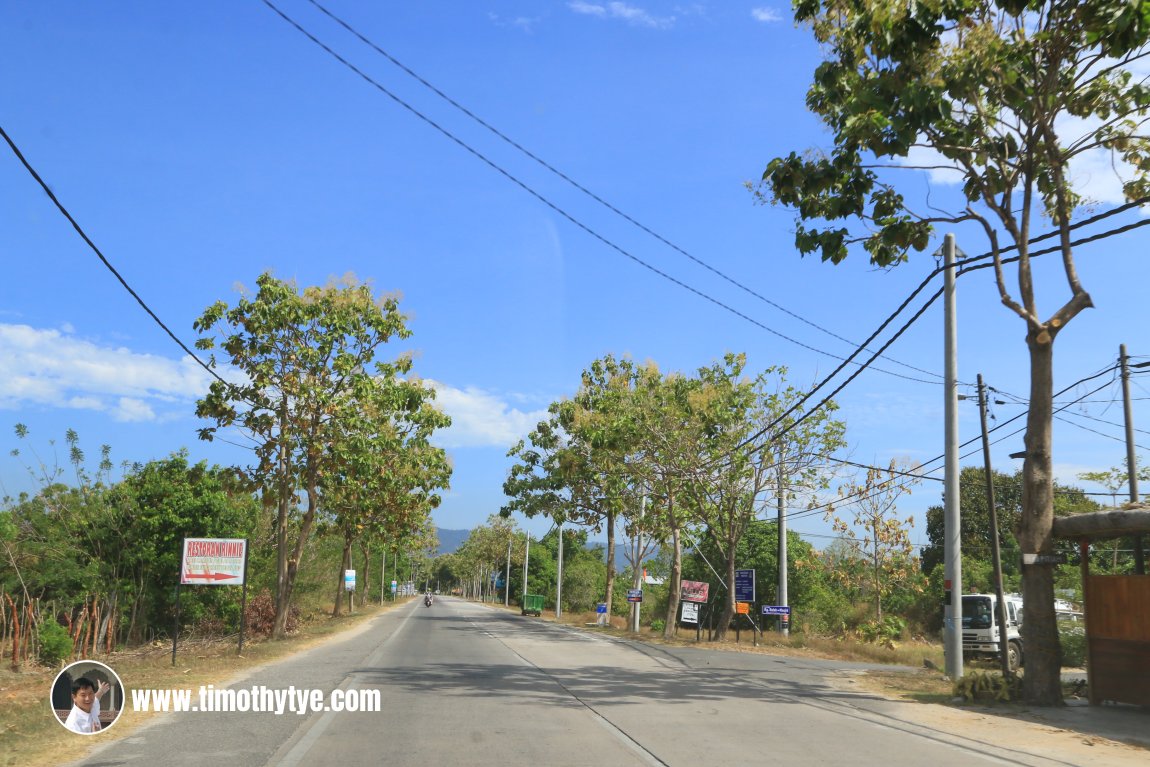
<point>554,206</point>
<point>583,189</point>
<point>88,241</point>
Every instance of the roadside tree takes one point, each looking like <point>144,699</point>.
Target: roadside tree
<point>1009,95</point>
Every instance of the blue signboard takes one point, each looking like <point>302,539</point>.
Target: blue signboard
<point>744,585</point>
<point>634,595</point>
<point>601,608</point>
<point>776,610</point>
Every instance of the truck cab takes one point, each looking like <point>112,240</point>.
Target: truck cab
<point>980,637</point>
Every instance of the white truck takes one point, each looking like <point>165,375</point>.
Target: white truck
<point>980,627</point>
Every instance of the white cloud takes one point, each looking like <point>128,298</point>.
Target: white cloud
<point>766,15</point>
<point>526,23</point>
<point>482,419</point>
<point>616,10</point>
<point>133,410</point>
<point>53,368</point>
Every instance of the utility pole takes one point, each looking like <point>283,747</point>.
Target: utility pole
<point>952,541</point>
<point>780,492</point>
<point>559,577</point>
<point>526,559</point>
<point>635,606</point>
<point>507,575</point>
<point>1131,461</point>
<point>1003,644</point>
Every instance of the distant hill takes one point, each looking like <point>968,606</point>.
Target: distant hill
<point>450,540</point>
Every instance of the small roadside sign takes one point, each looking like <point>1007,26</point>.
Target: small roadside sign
<point>601,607</point>
<point>776,610</point>
<point>634,595</point>
<point>690,612</point>
<point>744,585</point>
<point>213,561</point>
<point>742,608</point>
<point>394,586</point>
<point>349,580</point>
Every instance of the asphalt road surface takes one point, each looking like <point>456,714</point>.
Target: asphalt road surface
<point>464,684</point>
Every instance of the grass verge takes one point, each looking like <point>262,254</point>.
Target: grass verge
<point>31,736</point>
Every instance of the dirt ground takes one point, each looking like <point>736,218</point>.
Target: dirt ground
<point>1074,734</point>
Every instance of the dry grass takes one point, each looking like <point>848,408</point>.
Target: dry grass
<point>31,736</point>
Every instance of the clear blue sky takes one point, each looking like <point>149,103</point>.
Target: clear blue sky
<point>200,144</point>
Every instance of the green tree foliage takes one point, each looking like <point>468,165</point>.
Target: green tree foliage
<point>119,543</point>
<point>1009,94</point>
<point>976,532</point>
<point>303,359</point>
<point>386,475</point>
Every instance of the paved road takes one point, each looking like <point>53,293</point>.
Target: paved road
<point>462,684</point>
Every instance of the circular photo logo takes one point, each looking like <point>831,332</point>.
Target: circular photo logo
<point>87,697</point>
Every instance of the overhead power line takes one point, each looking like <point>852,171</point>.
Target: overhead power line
<point>554,206</point>
<point>584,190</point>
<point>87,240</point>
<point>863,495</point>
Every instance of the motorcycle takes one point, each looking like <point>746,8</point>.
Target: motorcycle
<point>427,601</point>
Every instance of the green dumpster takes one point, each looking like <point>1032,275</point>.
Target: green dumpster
<point>532,604</point>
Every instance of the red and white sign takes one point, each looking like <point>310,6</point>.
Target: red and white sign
<point>694,591</point>
<point>213,561</point>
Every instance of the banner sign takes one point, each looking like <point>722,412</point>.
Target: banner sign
<point>744,585</point>
<point>690,612</point>
<point>634,595</point>
<point>213,561</point>
<point>776,610</point>
<point>694,591</point>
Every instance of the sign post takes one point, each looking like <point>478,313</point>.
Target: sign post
<point>213,562</point>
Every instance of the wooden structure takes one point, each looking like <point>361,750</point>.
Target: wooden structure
<point>1117,609</point>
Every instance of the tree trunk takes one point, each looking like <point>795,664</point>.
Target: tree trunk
<point>675,582</point>
<point>1041,684</point>
<point>366,559</point>
<point>283,603</point>
<point>344,564</point>
<point>728,613</point>
<point>610,595</point>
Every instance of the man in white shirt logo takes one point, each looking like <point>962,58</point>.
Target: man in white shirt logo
<point>84,717</point>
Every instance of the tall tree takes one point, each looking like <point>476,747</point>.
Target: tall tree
<point>881,539</point>
<point>1010,93</point>
<point>300,357</point>
<point>387,473</point>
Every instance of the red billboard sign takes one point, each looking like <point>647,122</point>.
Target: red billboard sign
<point>694,591</point>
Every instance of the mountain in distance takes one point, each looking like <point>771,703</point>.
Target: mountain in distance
<point>450,540</point>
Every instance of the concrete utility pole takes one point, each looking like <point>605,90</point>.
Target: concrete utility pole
<point>526,559</point>
<point>780,491</point>
<point>635,606</point>
<point>1131,461</point>
<point>559,577</point>
<point>507,576</point>
<point>952,540</point>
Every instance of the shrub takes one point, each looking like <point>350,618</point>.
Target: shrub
<point>1073,639</point>
<point>261,615</point>
<point>885,632</point>
<point>658,625</point>
<point>55,644</point>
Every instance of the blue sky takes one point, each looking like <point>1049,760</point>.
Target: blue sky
<point>200,144</point>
